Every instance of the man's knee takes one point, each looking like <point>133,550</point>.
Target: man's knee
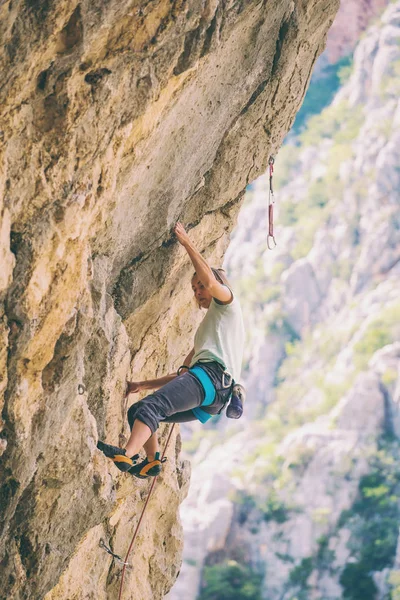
<point>146,412</point>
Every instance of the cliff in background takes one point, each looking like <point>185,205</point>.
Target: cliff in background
<point>305,503</point>
<point>352,19</point>
<point>116,120</point>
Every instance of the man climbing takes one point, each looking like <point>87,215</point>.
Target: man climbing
<point>203,384</point>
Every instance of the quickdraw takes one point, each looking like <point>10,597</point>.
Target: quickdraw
<point>271,202</point>
<point>103,545</point>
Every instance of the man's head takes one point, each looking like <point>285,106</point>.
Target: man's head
<point>201,294</point>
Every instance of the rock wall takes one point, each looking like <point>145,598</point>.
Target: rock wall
<point>116,120</point>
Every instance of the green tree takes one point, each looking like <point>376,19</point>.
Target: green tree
<point>231,581</point>
<point>357,584</point>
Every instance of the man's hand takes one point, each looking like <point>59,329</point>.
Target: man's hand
<point>133,387</point>
<point>181,234</point>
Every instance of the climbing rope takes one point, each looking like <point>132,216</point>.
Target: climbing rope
<point>271,202</point>
<point>141,517</point>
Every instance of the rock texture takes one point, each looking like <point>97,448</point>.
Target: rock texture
<point>116,120</point>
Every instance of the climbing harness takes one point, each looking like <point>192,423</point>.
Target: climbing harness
<point>209,390</point>
<point>126,564</point>
<point>233,403</point>
<point>271,202</point>
<point>103,545</point>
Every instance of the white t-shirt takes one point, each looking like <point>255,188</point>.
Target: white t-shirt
<point>220,337</point>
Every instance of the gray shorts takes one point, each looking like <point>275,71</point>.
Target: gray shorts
<point>173,403</point>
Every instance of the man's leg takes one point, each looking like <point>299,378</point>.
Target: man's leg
<point>151,466</point>
<point>181,417</point>
<point>140,434</point>
<point>151,447</point>
<point>179,395</point>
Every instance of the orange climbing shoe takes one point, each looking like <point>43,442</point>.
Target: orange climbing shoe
<point>121,461</point>
<point>146,469</point>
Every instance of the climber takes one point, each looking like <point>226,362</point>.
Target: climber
<point>202,386</point>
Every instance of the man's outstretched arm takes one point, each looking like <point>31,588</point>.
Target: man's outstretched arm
<point>202,268</point>
<point>155,384</point>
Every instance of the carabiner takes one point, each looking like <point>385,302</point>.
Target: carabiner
<point>226,380</point>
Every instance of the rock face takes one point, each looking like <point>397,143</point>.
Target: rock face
<point>117,119</point>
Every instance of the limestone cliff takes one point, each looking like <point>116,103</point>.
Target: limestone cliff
<point>116,120</point>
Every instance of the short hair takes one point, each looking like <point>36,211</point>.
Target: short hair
<point>220,276</point>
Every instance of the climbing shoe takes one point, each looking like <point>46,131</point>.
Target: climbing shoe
<point>146,469</point>
<point>123,462</point>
